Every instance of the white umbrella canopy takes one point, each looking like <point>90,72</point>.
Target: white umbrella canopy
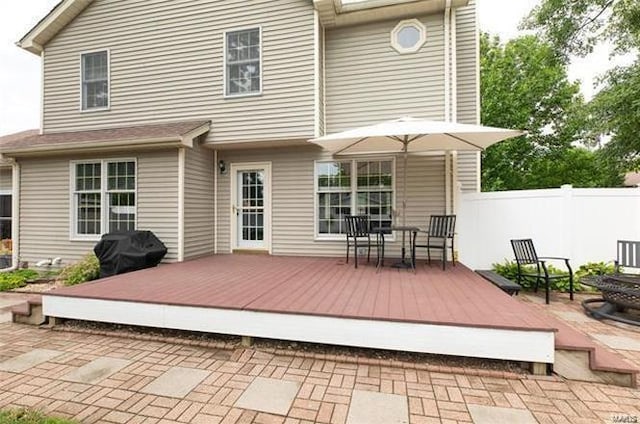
<point>413,135</point>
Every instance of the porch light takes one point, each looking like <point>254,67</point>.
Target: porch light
<point>222,167</point>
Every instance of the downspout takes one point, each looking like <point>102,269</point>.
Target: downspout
<point>455,185</point>
<point>447,101</point>
<point>181,178</point>
<point>15,218</point>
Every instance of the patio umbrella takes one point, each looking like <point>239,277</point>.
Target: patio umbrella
<point>412,135</point>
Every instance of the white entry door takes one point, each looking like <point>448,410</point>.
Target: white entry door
<point>251,207</point>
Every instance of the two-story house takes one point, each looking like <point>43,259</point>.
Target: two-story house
<point>192,119</point>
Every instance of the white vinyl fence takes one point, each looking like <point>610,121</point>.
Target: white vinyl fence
<point>581,224</point>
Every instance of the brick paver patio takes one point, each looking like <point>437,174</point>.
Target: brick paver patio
<point>325,385</point>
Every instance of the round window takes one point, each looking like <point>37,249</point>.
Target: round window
<point>408,36</point>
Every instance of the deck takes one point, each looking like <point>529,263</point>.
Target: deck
<point>319,300</point>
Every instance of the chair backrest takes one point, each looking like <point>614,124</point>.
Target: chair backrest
<point>357,225</point>
<point>442,226</point>
<point>524,251</point>
<point>628,254</point>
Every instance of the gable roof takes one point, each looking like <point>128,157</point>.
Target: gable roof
<point>158,135</point>
<point>47,28</point>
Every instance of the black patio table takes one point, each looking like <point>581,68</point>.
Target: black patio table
<point>403,263</point>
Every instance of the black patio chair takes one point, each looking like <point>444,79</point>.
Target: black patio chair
<point>525,254</point>
<point>359,234</point>
<point>442,228</point>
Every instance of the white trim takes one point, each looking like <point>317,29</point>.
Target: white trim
<point>447,182</point>
<point>98,109</point>
<point>454,67</point>
<point>324,81</point>
<point>181,177</point>
<point>316,73</point>
<point>353,190</point>
<point>15,214</point>
<point>399,27</point>
<point>104,210</point>
<point>42,81</point>
<point>447,76</point>
<point>245,166</point>
<point>224,63</point>
<point>505,344</point>
<point>215,201</point>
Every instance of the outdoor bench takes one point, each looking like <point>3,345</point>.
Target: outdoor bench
<point>503,283</point>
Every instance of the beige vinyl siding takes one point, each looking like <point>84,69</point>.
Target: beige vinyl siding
<point>293,198</point>
<point>368,81</point>
<point>5,179</point>
<point>166,61</point>
<point>467,86</point>
<point>45,204</point>
<point>198,202</point>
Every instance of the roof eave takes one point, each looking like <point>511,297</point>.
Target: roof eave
<point>333,13</point>
<point>47,28</point>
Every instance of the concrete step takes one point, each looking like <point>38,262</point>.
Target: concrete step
<point>29,312</point>
<point>580,358</point>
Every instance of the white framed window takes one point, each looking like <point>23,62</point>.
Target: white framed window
<point>353,187</point>
<point>408,36</point>
<point>104,197</point>
<point>5,215</point>
<point>94,76</point>
<point>243,62</point>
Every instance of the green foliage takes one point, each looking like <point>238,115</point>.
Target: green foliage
<point>86,270</point>
<point>16,279</point>
<point>27,416</point>
<point>525,85</point>
<point>509,269</point>
<point>574,28</point>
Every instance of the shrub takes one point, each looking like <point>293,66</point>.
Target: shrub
<point>86,270</point>
<point>16,279</point>
<point>27,416</point>
<point>509,269</point>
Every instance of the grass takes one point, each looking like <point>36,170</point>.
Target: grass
<point>28,416</point>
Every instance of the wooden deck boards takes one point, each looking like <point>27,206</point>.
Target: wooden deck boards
<point>321,286</point>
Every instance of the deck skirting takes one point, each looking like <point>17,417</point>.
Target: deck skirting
<point>480,342</point>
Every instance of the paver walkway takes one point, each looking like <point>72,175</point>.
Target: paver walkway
<point>212,384</point>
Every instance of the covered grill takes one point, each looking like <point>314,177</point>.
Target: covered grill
<point>127,251</point>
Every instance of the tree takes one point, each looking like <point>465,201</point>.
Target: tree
<point>524,85</point>
<point>574,28</point>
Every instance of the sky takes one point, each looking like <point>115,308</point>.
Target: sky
<point>20,78</point>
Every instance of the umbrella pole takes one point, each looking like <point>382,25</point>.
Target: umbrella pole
<point>404,192</point>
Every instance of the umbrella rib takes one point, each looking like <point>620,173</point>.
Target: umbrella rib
<point>350,145</point>
<point>464,141</point>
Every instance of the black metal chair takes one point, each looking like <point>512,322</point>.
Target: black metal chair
<point>442,228</point>
<point>359,235</point>
<point>525,254</point>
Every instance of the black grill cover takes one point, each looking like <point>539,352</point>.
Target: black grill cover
<point>127,251</point>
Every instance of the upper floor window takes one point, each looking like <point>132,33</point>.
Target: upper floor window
<point>243,62</point>
<point>408,36</point>
<point>95,80</point>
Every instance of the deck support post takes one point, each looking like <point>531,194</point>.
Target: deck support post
<point>539,368</point>
<point>51,322</point>
<point>246,341</point>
